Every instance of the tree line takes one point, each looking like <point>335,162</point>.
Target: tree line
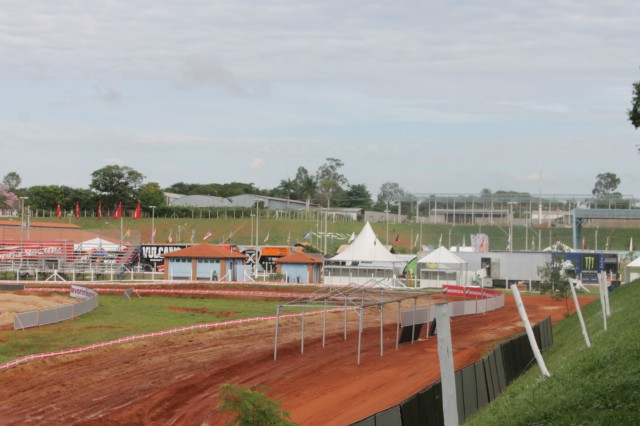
<point>114,184</point>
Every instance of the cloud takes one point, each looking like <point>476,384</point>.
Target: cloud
<point>257,164</point>
<point>109,95</point>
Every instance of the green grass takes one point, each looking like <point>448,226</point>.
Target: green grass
<point>279,230</point>
<point>588,386</point>
<point>116,318</point>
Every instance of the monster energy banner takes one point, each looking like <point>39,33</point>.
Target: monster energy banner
<point>588,265</point>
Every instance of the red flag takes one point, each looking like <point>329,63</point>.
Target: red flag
<point>77,210</point>
<point>59,212</point>
<point>100,209</point>
<point>136,213</point>
<point>118,213</point>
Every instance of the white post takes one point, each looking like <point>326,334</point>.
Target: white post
<point>602,286</point>
<point>527,327</point>
<point>606,296</point>
<point>447,374</point>
<point>579,311</point>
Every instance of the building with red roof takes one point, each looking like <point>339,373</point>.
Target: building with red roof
<point>300,267</point>
<point>204,262</point>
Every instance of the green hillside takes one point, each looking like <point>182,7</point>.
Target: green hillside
<point>588,386</point>
<point>402,236</point>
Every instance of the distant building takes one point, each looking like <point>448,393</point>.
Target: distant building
<point>204,262</point>
<point>242,200</point>
<point>300,268</point>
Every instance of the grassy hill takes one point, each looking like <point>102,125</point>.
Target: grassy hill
<point>401,236</point>
<point>588,386</point>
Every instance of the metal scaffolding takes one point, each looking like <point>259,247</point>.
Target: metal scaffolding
<point>358,298</point>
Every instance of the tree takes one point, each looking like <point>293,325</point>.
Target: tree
<point>556,277</point>
<point>390,194</point>
<point>330,180</point>
<point>117,184</point>
<point>151,195</point>
<point>305,184</point>
<point>634,112</point>
<point>357,196</point>
<point>7,198</point>
<point>252,407</point>
<point>606,184</point>
<point>12,180</point>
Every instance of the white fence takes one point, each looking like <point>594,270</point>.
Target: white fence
<point>30,319</point>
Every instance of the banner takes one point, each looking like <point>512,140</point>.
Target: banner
<point>82,292</point>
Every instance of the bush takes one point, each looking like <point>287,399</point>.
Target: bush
<point>252,407</point>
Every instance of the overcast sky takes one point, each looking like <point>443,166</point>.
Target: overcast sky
<point>438,96</point>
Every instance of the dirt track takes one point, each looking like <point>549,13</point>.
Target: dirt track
<point>175,380</point>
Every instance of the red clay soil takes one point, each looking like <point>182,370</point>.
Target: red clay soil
<point>176,379</point>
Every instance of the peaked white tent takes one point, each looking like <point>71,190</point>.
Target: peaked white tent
<point>632,270</point>
<point>96,244</point>
<point>366,248</point>
<point>441,267</point>
<point>559,246</point>
<point>364,262</point>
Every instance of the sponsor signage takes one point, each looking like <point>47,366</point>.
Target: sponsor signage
<point>82,292</point>
<point>276,251</point>
<point>14,249</point>
<point>151,254</point>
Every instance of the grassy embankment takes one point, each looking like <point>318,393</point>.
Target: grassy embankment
<point>401,236</point>
<point>589,386</point>
<point>116,318</point>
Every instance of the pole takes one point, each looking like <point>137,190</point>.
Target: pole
<point>360,333</point>
<point>153,226</point>
<point>381,331</point>
<point>275,345</point>
<point>324,324</point>
<point>302,340</point>
<point>579,311</point>
<point>528,329</point>
<point>447,374</point>
<point>345,320</point>
<point>398,327</point>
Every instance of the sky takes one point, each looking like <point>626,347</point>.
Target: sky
<point>437,96</point>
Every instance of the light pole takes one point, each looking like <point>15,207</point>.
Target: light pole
<point>153,228</point>
<point>251,235</point>
<point>22,220</point>
<point>597,237</point>
<point>22,228</point>
<point>257,222</point>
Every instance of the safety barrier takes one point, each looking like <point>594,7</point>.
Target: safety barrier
<point>250,293</point>
<point>29,319</point>
<point>11,287</point>
<point>476,385</point>
<point>482,301</point>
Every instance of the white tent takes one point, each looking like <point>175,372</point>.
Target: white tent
<point>96,244</point>
<point>441,267</point>
<point>559,246</point>
<point>632,270</point>
<point>365,248</point>
<point>363,262</point>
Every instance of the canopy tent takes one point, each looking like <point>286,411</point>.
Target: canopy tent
<point>364,261</point>
<point>365,248</point>
<point>559,246</point>
<point>441,267</point>
<point>632,270</point>
<point>96,244</point>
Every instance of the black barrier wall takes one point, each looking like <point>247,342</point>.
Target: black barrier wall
<point>476,385</point>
